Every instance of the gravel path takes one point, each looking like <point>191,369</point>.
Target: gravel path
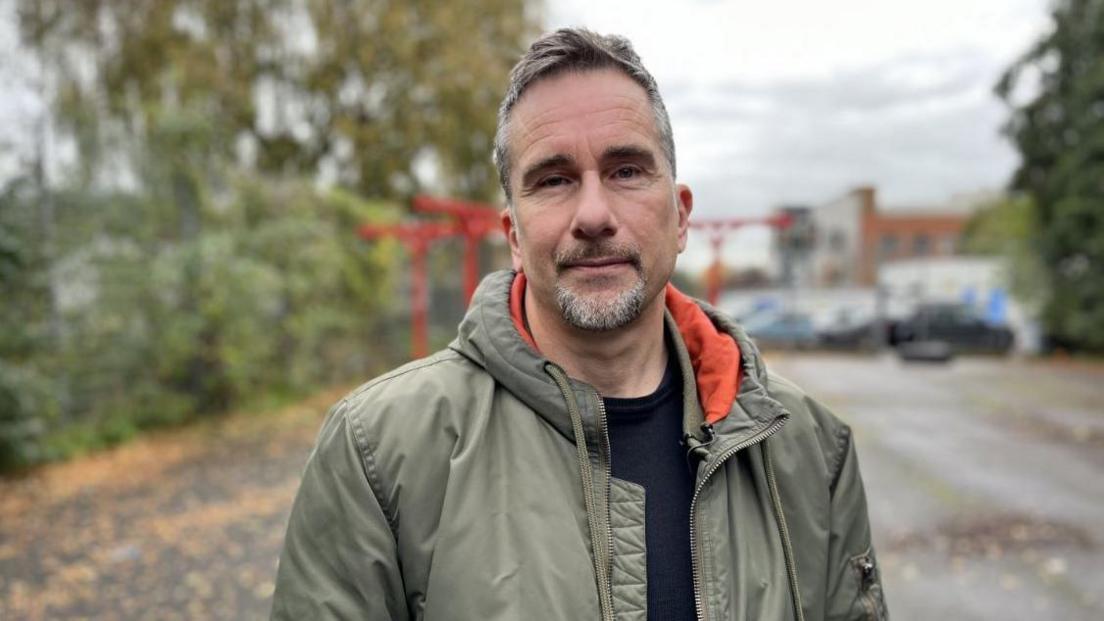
<point>185,524</point>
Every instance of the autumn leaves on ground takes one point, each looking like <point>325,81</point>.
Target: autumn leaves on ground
<point>182,524</point>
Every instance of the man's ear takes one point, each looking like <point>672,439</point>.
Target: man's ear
<point>684,203</point>
<point>509,227</point>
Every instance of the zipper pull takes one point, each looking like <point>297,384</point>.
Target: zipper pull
<point>710,435</point>
<point>697,450</point>
<point>866,568</point>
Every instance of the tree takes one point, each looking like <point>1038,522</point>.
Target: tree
<point>367,93</point>
<point>1005,227</point>
<point>26,394</point>
<point>200,249</point>
<point>1059,132</point>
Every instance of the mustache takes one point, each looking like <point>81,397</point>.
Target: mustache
<point>602,250</point>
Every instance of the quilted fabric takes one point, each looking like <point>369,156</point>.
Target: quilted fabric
<point>629,572</point>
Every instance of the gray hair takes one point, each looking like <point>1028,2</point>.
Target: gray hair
<point>576,49</point>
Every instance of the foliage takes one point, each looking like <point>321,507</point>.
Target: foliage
<point>284,299</point>
<point>25,394</point>
<point>1060,135</point>
<point>365,91</point>
<point>199,250</point>
<point>1005,228</point>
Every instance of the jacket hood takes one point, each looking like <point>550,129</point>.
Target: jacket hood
<point>728,373</point>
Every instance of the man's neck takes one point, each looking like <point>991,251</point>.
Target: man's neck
<point>626,362</point>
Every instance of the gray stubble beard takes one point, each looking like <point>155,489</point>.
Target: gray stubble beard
<point>594,315</point>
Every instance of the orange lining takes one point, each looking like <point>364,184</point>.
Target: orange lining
<point>713,354</point>
<point>517,310</point>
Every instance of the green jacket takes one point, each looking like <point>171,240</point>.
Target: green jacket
<point>452,488</point>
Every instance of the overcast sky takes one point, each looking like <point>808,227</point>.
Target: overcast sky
<point>797,101</point>
<point>789,101</point>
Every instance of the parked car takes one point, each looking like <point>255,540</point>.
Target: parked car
<point>852,329</point>
<point>781,329</point>
<point>957,325</point>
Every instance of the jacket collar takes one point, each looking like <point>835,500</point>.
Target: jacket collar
<point>714,352</point>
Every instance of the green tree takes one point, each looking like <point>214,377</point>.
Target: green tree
<point>364,92</point>
<point>1059,132</point>
<point>201,247</point>
<point>1006,228</point>
<point>26,392</point>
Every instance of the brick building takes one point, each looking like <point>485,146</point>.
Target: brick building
<point>852,236</point>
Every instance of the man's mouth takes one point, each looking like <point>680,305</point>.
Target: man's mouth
<point>598,258</point>
<point>601,262</point>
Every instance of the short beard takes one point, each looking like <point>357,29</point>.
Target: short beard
<point>592,313</point>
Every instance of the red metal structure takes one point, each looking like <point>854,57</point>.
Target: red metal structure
<point>473,221</point>
<point>718,230</point>
<point>417,239</point>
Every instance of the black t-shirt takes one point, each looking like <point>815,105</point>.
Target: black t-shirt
<point>645,434</point>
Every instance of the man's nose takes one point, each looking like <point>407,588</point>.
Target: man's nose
<point>594,216</point>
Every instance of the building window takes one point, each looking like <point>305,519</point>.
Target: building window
<point>888,246</point>
<point>921,245</point>
<point>949,245</point>
<point>837,241</point>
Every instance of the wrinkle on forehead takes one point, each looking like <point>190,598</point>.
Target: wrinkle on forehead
<point>575,108</point>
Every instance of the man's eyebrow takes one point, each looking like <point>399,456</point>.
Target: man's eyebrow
<point>630,152</point>
<point>553,161</point>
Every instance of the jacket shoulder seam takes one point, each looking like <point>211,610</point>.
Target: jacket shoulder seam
<point>440,357</point>
<point>843,439</point>
<point>371,472</point>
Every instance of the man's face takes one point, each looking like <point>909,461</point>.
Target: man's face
<point>599,220</point>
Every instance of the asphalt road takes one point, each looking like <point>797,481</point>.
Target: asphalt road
<point>985,479</point>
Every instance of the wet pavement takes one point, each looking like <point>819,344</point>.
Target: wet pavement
<point>985,479</point>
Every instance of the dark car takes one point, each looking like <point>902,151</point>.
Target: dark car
<point>852,329</point>
<point>957,325</point>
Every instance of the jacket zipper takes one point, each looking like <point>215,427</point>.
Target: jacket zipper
<point>867,574</point>
<point>601,556</point>
<point>603,431</point>
<point>768,431</point>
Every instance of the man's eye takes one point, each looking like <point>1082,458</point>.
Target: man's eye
<point>626,172</point>
<point>552,182</point>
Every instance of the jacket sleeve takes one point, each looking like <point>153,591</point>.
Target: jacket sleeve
<point>339,559</point>
<point>854,580</point>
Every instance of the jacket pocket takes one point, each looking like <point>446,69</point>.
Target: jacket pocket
<point>870,594</point>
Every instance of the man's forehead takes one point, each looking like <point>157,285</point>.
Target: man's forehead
<point>601,105</point>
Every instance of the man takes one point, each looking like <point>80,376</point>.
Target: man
<point>594,444</point>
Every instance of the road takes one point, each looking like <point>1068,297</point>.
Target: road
<point>985,479</point>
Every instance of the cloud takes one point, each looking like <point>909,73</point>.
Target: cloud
<point>921,127</point>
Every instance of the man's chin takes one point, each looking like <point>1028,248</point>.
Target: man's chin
<point>602,310</point>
